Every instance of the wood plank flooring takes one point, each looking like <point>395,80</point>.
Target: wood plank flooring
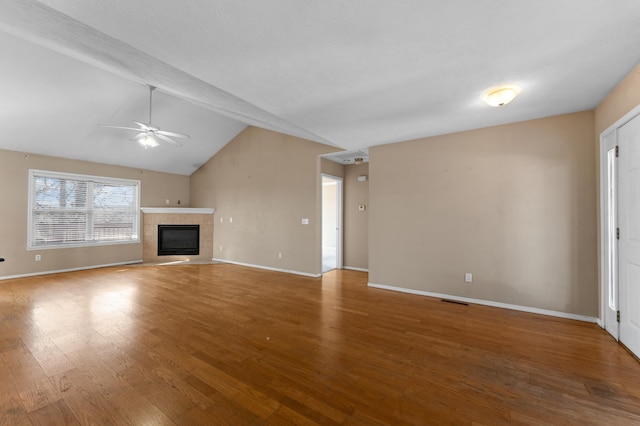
<point>223,344</point>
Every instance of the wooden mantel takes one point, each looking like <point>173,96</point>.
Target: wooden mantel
<point>177,210</point>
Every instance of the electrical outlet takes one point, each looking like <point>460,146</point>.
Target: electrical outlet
<point>220,248</point>
<point>280,255</point>
<point>468,277</point>
<point>230,220</point>
<point>166,201</point>
<point>38,258</point>
<point>305,221</point>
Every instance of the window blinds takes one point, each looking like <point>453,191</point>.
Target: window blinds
<point>70,210</point>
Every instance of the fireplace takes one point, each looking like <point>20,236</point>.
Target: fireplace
<point>178,240</point>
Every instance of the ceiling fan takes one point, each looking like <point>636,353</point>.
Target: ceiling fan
<point>149,135</point>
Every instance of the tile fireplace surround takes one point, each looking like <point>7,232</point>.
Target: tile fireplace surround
<point>154,216</point>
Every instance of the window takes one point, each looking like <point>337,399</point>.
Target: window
<point>78,210</point>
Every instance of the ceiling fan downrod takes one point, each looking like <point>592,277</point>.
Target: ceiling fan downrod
<point>151,89</point>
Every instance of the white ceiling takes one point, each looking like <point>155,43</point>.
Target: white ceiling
<point>351,74</point>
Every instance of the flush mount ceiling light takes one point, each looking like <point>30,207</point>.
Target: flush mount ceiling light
<point>502,96</point>
<point>358,160</point>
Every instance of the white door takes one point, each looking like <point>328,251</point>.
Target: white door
<point>629,243</point>
<point>609,234</point>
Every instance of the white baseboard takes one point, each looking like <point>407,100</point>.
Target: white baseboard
<point>489,303</point>
<point>353,268</point>
<point>268,268</point>
<point>58,271</point>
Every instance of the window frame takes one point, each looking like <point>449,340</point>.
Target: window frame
<point>90,180</point>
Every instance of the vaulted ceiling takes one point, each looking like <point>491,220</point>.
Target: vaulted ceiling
<point>352,74</point>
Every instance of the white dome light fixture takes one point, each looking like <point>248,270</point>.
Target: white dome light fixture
<point>501,97</point>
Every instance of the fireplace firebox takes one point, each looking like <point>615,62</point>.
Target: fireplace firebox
<point>178,240</point>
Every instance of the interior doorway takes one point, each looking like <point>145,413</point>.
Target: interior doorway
<point>331,223</point>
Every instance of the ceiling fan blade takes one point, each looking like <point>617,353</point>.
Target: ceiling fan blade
<point>173,134</point>
<point>145,126</point>
<point>118,127</point>
<point>167,139</point>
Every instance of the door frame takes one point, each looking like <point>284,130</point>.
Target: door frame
<point>604,210</point>
<point>339,220</point>
<point>607,320</point>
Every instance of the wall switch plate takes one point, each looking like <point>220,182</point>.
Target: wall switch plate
<point>230,220</point>
<point>468,277</point>
<point>279,255</point>
<point>305,221</point>
<point>38,258</point>
<point>166,201</point>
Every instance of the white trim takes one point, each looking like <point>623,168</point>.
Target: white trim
<point>268,268</point>
<point>180,210</point>
<point>70,246</point>
<point>101,179</point>
<point>603,278</point>
<point>58,271</point>
<point>353,268</point>
<point>488,303</point>
<point>602,260</point>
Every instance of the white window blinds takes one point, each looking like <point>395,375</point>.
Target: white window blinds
<point>74,210</point>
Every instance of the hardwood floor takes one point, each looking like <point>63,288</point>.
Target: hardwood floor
<point>224,344</point>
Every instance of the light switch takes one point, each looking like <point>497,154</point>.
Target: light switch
<point>361,207</point>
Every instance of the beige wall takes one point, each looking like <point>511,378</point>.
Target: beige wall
<point>622,99</point>
<point>14,175</point>
<point>266,182</point>
<point>512,204</point>
<point>356,223</point>
<point>331,168</point>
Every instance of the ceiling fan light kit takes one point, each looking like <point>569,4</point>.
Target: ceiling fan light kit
<point>146,140</point>
<point>150,136</point>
